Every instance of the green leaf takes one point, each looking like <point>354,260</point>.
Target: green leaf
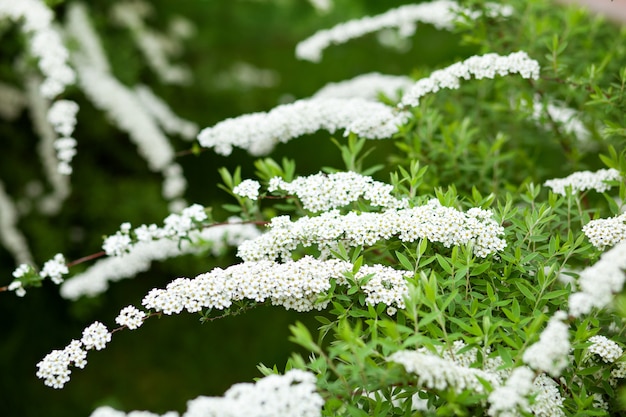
<point>404,261</point>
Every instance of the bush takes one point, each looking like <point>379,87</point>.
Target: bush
<point>450,240</point>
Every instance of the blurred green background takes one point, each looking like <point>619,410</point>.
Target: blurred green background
<point>171,360</point>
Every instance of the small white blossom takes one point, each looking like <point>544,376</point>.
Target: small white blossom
<point>130,317</point>
<point>600,281</point>
<point>321,192</point>
<point>442,14</point>
<point>550,353</point>
<point>512,396</point>
<point>437,373</point>
<point>367,86</point>
<point>62,116</point>
<point>258,133</point>
<point>55,269</point>
<point>480,67</point>
<point>18,288</point>
<point>607,349</point>
<point>291,395</point>
<point>606,232</point>
<point>584,180</point>
<point>96,336</point>
<point>248,189</point>
<point>431,221</point>
<point>548,399</point>
<point>117,244</point>
<point>21,270</point>
<point>54,367</point>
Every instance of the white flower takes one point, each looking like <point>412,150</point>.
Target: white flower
<point>290,395</point>
<point>606,232</point>
<point>62,116</point>
<point>367,86</point>
<point>607,349</point>
<point>600,281</point>
<point>431,221</point>
<point>96,336</point>
<point>117,244</point>
<point>130,317</point>
<point>512,396</point>
<point>442,14</point>
<point>437,373</point>
<point>55,269</point>
<point>584,180</point>
<point>484,66</point>
<point>259,132</point>
<point>550,353</point>
<point>248,189</point>
<point>322,192</point>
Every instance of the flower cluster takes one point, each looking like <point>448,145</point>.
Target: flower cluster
<point>548,399</point>
<point>484,66</point>
<point>431,221</point>
<point>175,226</point>
<point>95,279</point>
<point>441,13</point>
<point>323,192</point>
<point>294,285</point>
<point>106,411</point>
<point>291,395</point>
<point>435,372</point>
<point>367,86</point>
<point>54,367</point>
<point>606,232</point>
<point>599,282</point>
<point>130,317</point>
<point>259,132</point>
<point>608,350</point>
<point>44,42</point>
<point>17,285</point>
<point>513,394</point>
<point>62,116</point>
<point>96,336</point>
<point>550,353</point>
<point>584,180</point>
<point>248,189</point>
<point>55,268</point>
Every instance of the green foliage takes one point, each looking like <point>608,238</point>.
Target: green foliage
<point>482,145</point>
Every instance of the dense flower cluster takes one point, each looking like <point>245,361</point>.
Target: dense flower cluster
<point>606,232</point>
<point>175,226</point>
<point>291,395</point>
<point>259,132</point>
<point>323,192</point>
<point>548,399</point>
<point>54,368</point>
<point>367,86</point>
<point>294,285</point>
<point>440,13</point>
<point>62,116</point>
<point>484,66</point>
<point>248,189</point>
<point>130,317</point>
<point>508,398</point>
<point>44,43</point>
<point>550,353</point>
<point>608,350</point>
<point>96,336</point>
<point>55,268</point>
<point>584,180</point>
<point>435,372</point>
<point>95,279</point>
<point>431,221</point>
<point>599,282</point>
